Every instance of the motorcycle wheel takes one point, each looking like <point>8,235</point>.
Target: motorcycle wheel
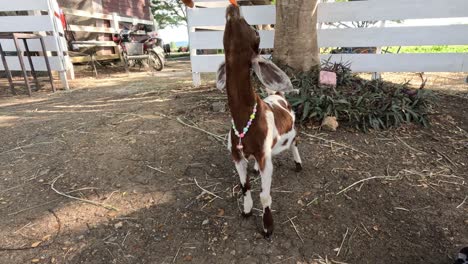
<point>156,61</point>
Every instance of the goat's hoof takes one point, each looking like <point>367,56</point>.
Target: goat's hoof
<point>267,235</point>
<point>247,215</point>
<point>298,167</point>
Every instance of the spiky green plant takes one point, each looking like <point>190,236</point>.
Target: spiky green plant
<point>358,102</point>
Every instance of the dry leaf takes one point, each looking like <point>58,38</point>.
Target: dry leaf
<point>35,244</point>
<point>45,238</point>
<point>220,212</point>
<point>35,260</point>
<point>376,228</point>
<point>188,258</point>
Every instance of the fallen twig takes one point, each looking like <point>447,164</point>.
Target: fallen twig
<point>106,206</point>
<point>365,230</point>
<point>156,169</point>
<point>342,242</point>
<point>217,137</point>
<point>49,202</point>
<point>336,143</point>
<point>59,228</point>
<point>410,147</point>
<point>367,179</point>
<point>311,202</point>
<point>446,157</point>
<point>206,191</point>
<point>295,229</point>
<point>462,203</point>
<point>175,257</point>
<point>25,146</point>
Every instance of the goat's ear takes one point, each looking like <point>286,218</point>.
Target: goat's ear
<point>221,77</point>
<point>271,75</point>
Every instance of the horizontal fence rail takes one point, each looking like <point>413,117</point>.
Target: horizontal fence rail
<point>45,23</point>
<point>206,33</point>
<point>114,20</point>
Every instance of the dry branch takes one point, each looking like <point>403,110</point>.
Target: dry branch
<point>206,191</point>
<point>156,169</point>
<point>59,228</point>
<point>217,137</point>
<point>106,206</point>
<point>336,143</point>
<point>367,179</point>
<point>342,242</point>
<point>295,229</point>
<point>462,203</point>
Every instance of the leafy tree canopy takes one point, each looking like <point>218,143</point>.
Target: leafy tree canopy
<point>169,13</point>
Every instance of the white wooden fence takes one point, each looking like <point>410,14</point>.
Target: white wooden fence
<point>213,17</point>
<point>47,23</point>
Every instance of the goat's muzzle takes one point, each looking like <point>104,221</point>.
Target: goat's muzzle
<point>232,12</point>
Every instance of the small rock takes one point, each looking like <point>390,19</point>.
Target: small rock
<point>44,172</point>
<point>329,123</point>
<point>466,221</point>
<point>205,222</point>
<point>233,252</point>
<point>118,225</point>
<point>218,107</point>
<point>81,237</point>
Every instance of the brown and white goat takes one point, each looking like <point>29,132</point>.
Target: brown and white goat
<point>272,131</point>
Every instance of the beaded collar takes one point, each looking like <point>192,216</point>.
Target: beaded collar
<point>246,128</point>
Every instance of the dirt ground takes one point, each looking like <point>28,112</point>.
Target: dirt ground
<point>118,141</point>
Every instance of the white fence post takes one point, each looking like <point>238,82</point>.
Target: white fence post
<point>196,76</point>
<point>378,75</point>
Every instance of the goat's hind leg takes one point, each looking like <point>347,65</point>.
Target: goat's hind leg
<point>266,172</point>
<point>241,167</point>
<point>296,156</point>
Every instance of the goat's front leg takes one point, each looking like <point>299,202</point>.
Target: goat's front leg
<point>266,172</point>
<point>241,167</point>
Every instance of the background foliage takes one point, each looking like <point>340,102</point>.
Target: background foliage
<point>169,13</point>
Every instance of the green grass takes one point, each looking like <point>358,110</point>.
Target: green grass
<point>430,49</point>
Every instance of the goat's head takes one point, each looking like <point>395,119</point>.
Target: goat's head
<point>241,46</point>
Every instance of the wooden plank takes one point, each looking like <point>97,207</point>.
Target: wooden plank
<point>421,62</point>
<point>34,44</point>
<point>23,5</point>
<point>436,62</point>
<point>209,63</point>
<point>214,39</point>
<point>81,13</point>
<point>136,20</point>
<point>254,15</point>
<point>394,36</point>
<point>92,43</point>
<point>391,10</point>
<point>355,37</point>
<point>38,62</point>
<point>343,11</point>
<point>82,59</point>
<point>25,23</point>
<point>92,29</point>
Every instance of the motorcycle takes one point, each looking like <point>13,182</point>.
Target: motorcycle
<point>137,51</point>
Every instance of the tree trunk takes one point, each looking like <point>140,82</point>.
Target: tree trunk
<point>296,34</point>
